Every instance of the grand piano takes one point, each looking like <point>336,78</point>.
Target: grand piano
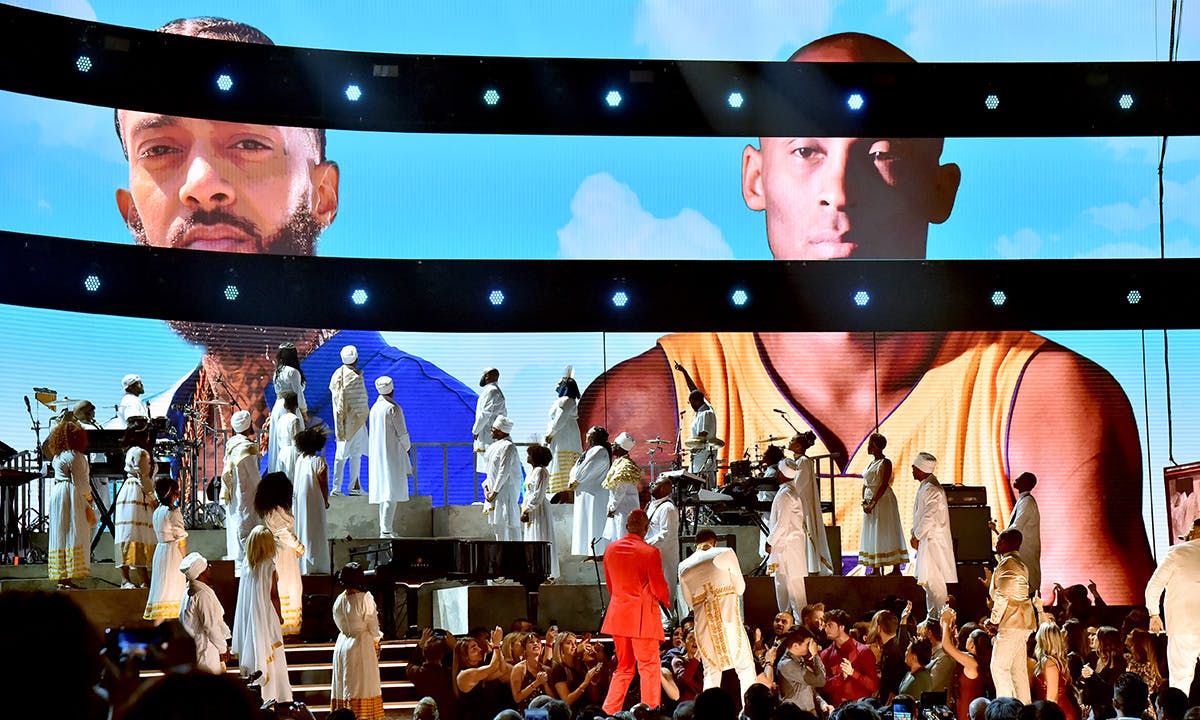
<point>419,560</point>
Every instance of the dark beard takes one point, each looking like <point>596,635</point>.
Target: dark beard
<point>298,236</point>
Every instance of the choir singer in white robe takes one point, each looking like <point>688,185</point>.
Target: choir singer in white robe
<point>664,532</point>
<point>131,403</point>
<point>1179,576</point>
<point>931,536</point>
<point>591,499</point>
<point>562,433</point>
<point>622,482</point>
<point>535,503</point>
<point>203,617</point>
<point>488,407</point>
<point>712,584</point>
<point>819,560</point>
<point>787,544</point>
<point>503,484</point>
<point>1028,519</point>
<point>239,481</point>
<point>350,410</point>
<point>387,457</point>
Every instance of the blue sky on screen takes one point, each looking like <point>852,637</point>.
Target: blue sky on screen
<point>568,197</point>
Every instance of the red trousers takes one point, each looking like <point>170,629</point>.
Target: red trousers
<point>643,652</point>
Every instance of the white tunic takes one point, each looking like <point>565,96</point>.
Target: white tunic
<point>591,501</point>
<point>355,666</point>
<point>287,566</point>
<point>503,468</point>
<point>565,443</point>
<point>204,619</point>
<point>167,584</point>
<point>931,526</point>
<point>257,638</point>
<point>1179,576</point>
<point>819,560</point>
<point>350,409</point>
<point>283,438</point>
<point>131,406</point>
<point>711,583</point>
<point>789,537</point>
<point>133,536</point>
<point>246,478</point>
<point>705,421</point>
<point>286,378</point>
<point>536,505</point>
<point>1026,518</point>
<point>623,499</point>
<point>488,407</point>
<point>387,461</point>
<point>664,535</point>
<point>308,506</point>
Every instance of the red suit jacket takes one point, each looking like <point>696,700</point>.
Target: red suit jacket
<point>634,573</point>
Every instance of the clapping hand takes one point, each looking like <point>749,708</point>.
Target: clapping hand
<point>847,669</point>
<point>497,638</point>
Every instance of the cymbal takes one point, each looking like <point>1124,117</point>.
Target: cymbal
<point>658,441</point>
<point>700,443</point>
<point>211,402</point>
<point>773,438</point>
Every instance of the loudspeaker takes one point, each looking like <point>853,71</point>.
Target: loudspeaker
<point>972,537</point>
<point>833,535</point>
<point>971,595</point>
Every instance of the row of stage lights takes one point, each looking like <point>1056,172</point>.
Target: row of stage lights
<point>612,98</point>
<point>738,297</point>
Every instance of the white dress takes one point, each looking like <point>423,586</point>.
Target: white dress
<point>536,503</point>
<point>285,433</point>
<point>591,501</point>
<point>503,468</point>
<point>287,565</point>
<point>286,378</point>
<point>257,638</point>
<point>204,619</point>
<point>308,507</point>
<point>355,681</point>
<point>167,584</point>
<point>883,542</point>
<point>69,553</point>
<point>133,536</point>
<point>565,444</point>
<point>820,562</point>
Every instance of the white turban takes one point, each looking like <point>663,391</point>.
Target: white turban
<point>788,468</point>
<point>384,385</point>
<point>503,424</point>
<point>349,354</point>
<point>925,462</point>
<point>129,380</point>
<point>240,421</point>
<point>193,565</point>
<point>626,441</point>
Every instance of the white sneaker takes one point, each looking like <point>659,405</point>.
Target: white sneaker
<point>337,492</point>
<point>128,586</point>
<point>357,491</point>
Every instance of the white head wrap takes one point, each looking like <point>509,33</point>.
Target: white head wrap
<point>503,424</point>
<point>626,441</point>
<point>349,354</point>
<point>384,385</point>
<point>193,565</point>
<point>130,379</point>
<point>925,462</point>
<point>240,421</point>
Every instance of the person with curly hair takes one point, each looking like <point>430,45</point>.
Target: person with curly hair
<point>273,503</point>
<point>69,506</point>
<point>311,501</point>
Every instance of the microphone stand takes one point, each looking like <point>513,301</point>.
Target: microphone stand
<point>789,422</point>
<point>599,587</point>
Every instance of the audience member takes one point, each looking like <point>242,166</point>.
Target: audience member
<point>889,641</point>
<point>801,671</point>
<point>1041,710</point>
<point>1051,675</point>
<point>974,676</point>
<point>426,709</point>
<point>758,703</point>
<point>850,671</point>
<point>916,681</point>
<point>1130,696</point>
<point>714,704</point>
<point>1003,708</point>
<point>430,676</point>
<point>190,696</point>
<point>1171,704</point>
<point>941,665</point>
<point>528,679</point>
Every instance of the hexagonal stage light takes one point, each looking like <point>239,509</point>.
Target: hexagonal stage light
<point>620,299</point>
<point>855,101</point>
<point>83,63</point>
<point>861,298</point>
<point>353,93</point>
<point>224,82</point>
<point>1125,102</point>
<point>613,98</point>
<point>1134,297</point>
<point>739,297</point>
<point>991,102</point>
<point>91,283</point>
<point>359,296</point>
<point>999,298</point>
<point>496,297</point>
<point>491,96</point>
<point>735,100</point>
<point>231,292</point>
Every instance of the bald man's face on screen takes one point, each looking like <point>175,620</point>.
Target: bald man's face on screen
<point>830,198</point>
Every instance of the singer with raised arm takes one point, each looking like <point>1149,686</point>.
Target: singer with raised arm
<point>819,560</point>
<point>704,422</point>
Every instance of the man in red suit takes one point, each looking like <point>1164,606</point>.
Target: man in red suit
<point>849,665</point>
<point>636,588</point>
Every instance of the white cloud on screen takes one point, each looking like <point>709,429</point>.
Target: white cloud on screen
<point>608,221</point>
<point>1179,205</point>
<point>1146,149</point>
<point>723,30</point>
<point>80,9</point>
<point>1178,247</point>
<point>1032,30</point>
<point>1022,244</point>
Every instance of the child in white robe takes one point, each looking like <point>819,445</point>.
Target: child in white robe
<point>273,503</point>
<point>203,617</point>
<point>257,636</point>
<point>167,585</point>
<point>311,500</point>
<point>283,436</point>
<point>356,654</point>
<point>535,503</point>
<point>133,515</point>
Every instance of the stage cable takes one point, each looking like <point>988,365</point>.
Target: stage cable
<point>1172,55</point>
<point>875,377</point>
<point>1149,466</point>
<point>604,373</point>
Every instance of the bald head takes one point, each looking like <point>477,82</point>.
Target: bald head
<point>850,47</point>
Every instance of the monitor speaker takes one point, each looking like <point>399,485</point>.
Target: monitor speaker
<point>972,538</point>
